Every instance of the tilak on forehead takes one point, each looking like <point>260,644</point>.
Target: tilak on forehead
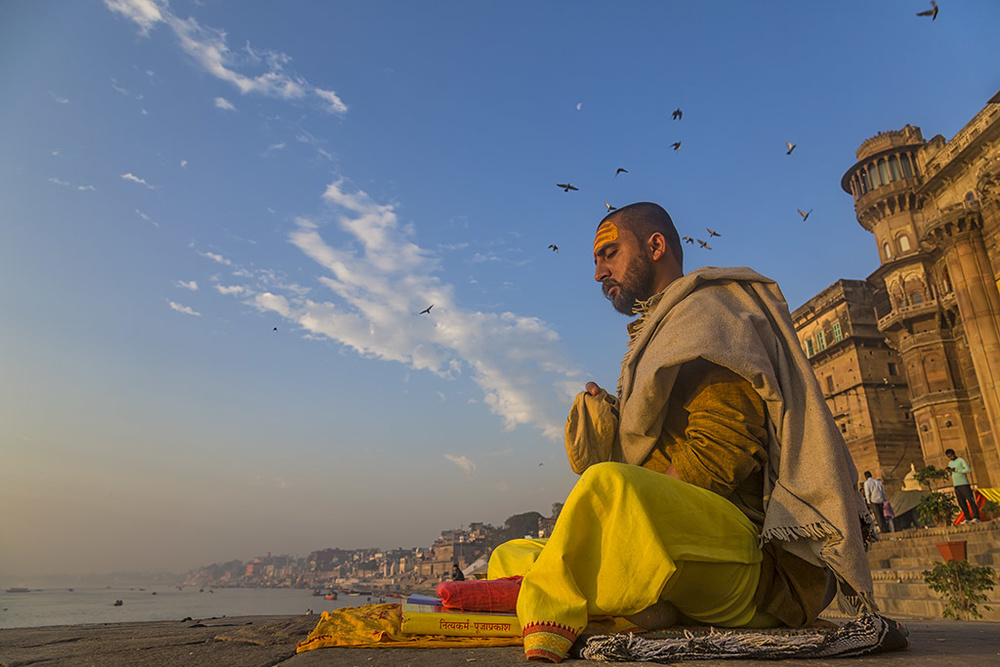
<point>606,233</point>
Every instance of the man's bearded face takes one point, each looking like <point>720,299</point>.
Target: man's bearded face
<point>635,285</point>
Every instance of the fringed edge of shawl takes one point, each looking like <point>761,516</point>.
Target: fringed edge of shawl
<point>814,531</point>
<point>857,603</point>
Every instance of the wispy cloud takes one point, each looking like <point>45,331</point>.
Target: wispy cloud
<point>147,218</point>
<point>146,13</point>
<point>59,100</point>
<point>183,309</point>
<point>190,284</point>
<point>184,163</point>
<point>223,103</point>
<point>123,91</point>
<point>215,257</point>
<point>462,462</point>
<point>378,284</point>
<point>273,148</point>
<point>81,188</point>
<point>207,46</point>
<point>231,289</point>
<point>135,179</point>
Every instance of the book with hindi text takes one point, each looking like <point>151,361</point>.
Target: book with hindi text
<point>420,619</point>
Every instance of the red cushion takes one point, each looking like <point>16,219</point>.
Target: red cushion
<point>480,595</point>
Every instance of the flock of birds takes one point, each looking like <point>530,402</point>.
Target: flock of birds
<point>677,114</point>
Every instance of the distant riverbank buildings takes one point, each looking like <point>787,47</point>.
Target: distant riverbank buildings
<point>909,358</point>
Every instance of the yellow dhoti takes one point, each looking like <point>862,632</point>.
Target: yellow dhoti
<point>626,538</point>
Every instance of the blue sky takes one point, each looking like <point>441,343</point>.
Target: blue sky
<point>177,180</point>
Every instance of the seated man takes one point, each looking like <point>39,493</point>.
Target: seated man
<point>715,488</point>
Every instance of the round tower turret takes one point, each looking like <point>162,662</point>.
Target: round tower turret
<point>884,180</point>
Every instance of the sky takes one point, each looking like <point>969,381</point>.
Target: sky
<point>219,223</point>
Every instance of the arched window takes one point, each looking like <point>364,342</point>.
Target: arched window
<point>907,169</point>
<point>886,250</point>
<point>894,168</point>
<point>873,176</point>
<point>904,243</point>
<point>883,171</point>
<point>916,298</point>
<point>970,201</point>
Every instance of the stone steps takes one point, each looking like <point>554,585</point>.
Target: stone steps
<point>903,591</point>
<point>899,560</point>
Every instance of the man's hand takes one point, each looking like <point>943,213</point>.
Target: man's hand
<point>593,389</point>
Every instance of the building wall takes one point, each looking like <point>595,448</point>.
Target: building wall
<point>933,208</point>
<point>861,378</point>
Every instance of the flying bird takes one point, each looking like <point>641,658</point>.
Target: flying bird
<point>275,328</point>
<point>676,115</point>
<point>676,145</point>
<point>791,147</point>
<point>805,216</point>
<point>620,170</point>
<point>688,239</point>
<point>553,247</point>
<point>932,12</point>
<point>610,207</point>
<point>566,187</point>
<point>426,311</point>
<point>703,244</point>
<point>712,233</point>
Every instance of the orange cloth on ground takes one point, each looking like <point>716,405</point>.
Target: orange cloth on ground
<point>377,626</point>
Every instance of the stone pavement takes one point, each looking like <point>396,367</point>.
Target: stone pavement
<point>268,641</point>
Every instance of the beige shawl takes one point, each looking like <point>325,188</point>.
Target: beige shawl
<point>738,319</point>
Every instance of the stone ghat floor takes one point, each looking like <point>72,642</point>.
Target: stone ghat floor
<point>270,641</point>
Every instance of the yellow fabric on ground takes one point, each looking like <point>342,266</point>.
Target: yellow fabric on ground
<point>626,537</point>
<point>377,625</point>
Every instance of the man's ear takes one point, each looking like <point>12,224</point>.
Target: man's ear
<point>657,245</point>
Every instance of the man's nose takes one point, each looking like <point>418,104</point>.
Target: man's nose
<point>601,272</point>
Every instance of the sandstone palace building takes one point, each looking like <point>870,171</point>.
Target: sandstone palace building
<point>909,359</point>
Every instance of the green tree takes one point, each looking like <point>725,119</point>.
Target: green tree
<point>929,474</point>
<point>937,508</point>
<point>962,586</point>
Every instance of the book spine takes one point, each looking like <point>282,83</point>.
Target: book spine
<point>459,625</point>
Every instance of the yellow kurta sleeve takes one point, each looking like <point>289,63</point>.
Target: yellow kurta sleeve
<point>714,433</point>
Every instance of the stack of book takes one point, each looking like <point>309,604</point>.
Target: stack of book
<point>423,615</point>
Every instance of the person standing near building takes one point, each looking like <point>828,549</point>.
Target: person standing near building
<point>875,497</point>
<point>963,490</point>
<point>456,573</point>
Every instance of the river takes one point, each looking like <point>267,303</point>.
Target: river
<point>60,606</point>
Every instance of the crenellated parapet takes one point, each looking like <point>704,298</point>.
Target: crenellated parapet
<point>883,141</point>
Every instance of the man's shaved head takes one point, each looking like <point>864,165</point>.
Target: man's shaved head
<point>643,219</point>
